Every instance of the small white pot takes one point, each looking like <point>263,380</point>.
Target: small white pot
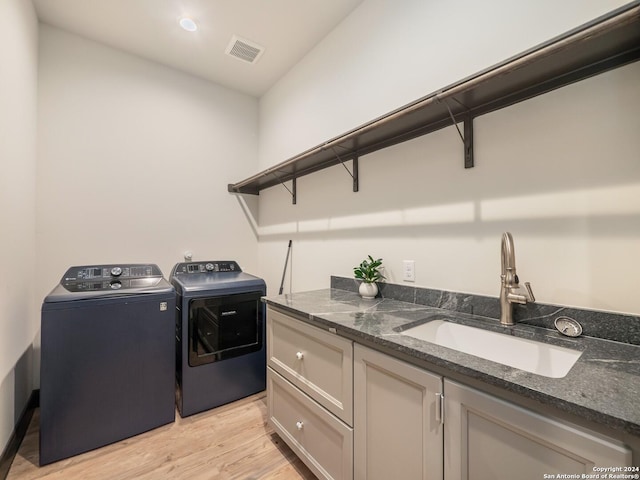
<point>368,291</point>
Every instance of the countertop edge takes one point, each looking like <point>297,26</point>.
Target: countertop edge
<point>423,360</point>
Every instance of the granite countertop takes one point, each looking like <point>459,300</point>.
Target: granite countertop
<point>603,386</point>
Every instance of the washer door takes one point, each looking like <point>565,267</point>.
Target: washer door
<point>224,327</point>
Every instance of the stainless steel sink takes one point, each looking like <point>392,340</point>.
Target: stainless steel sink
<point>535,357</point>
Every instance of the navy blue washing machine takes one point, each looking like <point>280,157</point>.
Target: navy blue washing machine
<point>220,334</point>
<point>107,359</point>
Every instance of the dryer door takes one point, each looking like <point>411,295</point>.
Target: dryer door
<point>224,327</point>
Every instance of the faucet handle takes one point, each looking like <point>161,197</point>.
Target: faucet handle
<point>531,298</point>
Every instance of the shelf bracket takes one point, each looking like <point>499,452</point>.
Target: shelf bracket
<point>294,194</point>
<point>292,190</point>
<point>468,141</point>
<point>467,137</point>
<point>354,174</point>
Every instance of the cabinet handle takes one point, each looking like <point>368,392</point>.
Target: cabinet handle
<point>439,408</point>
<point>299,425</point>
<point>299,355</point>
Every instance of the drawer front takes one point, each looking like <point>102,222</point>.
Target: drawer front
<point>317,362</point>
<point>322,441</point>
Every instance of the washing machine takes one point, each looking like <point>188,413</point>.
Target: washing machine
<point>220,334</point>
<point>107,358</point>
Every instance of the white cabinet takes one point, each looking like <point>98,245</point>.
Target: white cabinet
<point>397,428</point>
<point>352,412</point>
<point>310,394</point>
<point>490,439</point>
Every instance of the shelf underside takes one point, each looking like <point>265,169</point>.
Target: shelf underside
<point>589,50</point>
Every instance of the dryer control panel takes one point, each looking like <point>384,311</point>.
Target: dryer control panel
<point>216,266</point>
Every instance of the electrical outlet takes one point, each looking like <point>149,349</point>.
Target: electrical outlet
<point>408,270</point>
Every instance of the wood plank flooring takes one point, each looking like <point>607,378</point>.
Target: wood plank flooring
<point>229,442</point>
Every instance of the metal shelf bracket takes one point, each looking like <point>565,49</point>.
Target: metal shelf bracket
<point>468,142</point>
<point>467,137</point>
<point>354,174</point>
<point>292,190</point>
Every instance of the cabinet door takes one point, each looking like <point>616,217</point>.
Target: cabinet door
<point>397,429</point>
<point>490,439</point>
<point>317,362</point>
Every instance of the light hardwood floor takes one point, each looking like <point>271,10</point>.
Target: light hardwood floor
<point>229,442</point>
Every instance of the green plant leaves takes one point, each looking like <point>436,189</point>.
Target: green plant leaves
<point>368,270</point>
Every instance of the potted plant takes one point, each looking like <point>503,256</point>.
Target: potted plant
<point>369,272</point>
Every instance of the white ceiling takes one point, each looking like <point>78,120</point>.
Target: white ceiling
<point>287,29</point>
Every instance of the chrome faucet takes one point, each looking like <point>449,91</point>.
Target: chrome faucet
<point>510,282</point>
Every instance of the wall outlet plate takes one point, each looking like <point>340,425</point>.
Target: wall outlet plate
<point>409,270</point>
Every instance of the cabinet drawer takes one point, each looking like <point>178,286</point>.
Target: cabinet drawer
<point>317,362</point>
<point>323,442</point>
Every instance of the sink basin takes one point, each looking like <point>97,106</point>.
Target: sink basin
<point>535,357</point>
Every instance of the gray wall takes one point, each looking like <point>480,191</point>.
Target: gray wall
<point>560,171</point>
<point>19,318</point>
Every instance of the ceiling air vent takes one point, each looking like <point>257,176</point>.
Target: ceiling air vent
<point>244,49</point>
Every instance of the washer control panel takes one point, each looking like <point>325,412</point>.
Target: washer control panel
<point>111,277</point>
<point>214,266</point>
<point>111,271</point>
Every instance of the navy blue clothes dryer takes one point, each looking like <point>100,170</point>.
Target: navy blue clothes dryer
<point>220,334</point>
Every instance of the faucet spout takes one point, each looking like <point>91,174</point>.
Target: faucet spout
<point>510,283</point>
<point>508,258</point>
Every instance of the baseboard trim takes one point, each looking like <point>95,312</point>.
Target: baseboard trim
<point>15,440</point>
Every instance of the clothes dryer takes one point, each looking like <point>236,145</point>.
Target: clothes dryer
<point>220,334</point>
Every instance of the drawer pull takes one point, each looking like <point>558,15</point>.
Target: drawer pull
<point>299,355</point>
<point>299,425</point>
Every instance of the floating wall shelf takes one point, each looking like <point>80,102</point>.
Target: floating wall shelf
<point>604,44</point>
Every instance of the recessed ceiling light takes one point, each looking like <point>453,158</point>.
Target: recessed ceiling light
<point>188,24</point>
